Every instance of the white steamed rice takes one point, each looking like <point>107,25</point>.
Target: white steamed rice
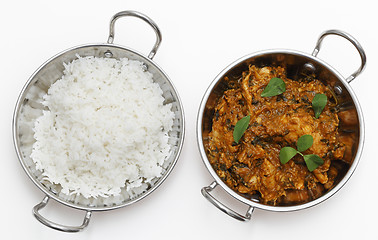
<point>106,128</point>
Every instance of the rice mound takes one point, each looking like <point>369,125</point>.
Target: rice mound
<point>105,128</point>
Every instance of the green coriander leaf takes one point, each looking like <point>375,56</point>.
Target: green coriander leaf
<point>318,104</point>
<point>286,154</point>
<point>313,161</point>
<point>240,128</point>
<point>304,143</point>
<point>275,87</point>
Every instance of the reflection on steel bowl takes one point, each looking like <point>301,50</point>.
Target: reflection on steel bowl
<point>252,170</point>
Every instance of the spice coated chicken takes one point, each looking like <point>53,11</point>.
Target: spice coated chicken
<point>252,165</point>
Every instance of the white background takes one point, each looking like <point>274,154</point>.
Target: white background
<point>200,38</point>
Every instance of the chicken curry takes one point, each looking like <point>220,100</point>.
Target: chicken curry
<point>252,165</point>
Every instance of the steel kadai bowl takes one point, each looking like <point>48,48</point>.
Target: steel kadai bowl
<point>294,62</point>
<point>31,98</point>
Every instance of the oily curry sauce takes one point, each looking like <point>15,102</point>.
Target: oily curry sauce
<point>252,167</point>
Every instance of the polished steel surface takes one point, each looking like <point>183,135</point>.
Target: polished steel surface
<point>351,39</point>
<point>51,71</point>
<point>206,193</point>
<point>140,16</point>
<point>57,226</point>
<point>294,62</point>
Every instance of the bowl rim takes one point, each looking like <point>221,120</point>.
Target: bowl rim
<point>254,204</point>
<point>51,194</point>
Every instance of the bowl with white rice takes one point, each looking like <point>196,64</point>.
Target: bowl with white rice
<point>98,127</point>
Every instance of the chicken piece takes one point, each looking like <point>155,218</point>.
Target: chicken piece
<point>348,118</point>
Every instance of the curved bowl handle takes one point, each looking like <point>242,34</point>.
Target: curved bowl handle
<point>206,193</point>
<point>144,18</point>
<point>351,39</point>
<point>57,226</point>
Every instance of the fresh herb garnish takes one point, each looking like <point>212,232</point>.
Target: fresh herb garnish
<point>313,161</point>
<point>304,142</point>
<point>275,87</point>
<point>287,153</point>
<point>318,103</point>
<point>240,128</point>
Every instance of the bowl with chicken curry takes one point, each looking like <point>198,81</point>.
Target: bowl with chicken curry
<point>280,130</point>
